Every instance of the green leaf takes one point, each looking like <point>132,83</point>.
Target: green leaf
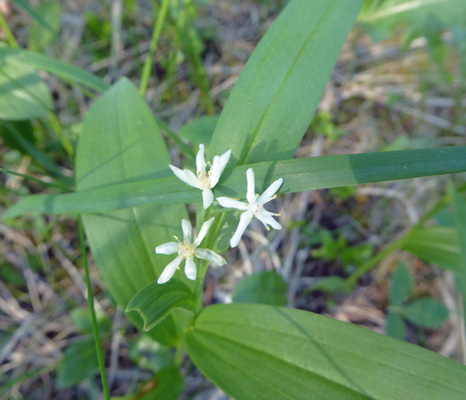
<point>155,302</point>
<point>82,319</point>
<point>200,130</point>
<point>79,363</point>
<point>264,352</point>
<point>42,35</point>
<point>401,286</point>
<point>121,142</point>
<point>299,175</point>
<point>167,384</point>
<point>276,96</point>
<point>436,244</point>
<point>396,326</point>
<point>460,217</point>
<point>13,133</point>
<point>23,94</point>
<point>425,312</point>
<point>33,13</point>
<point>266,287</point>
<point>329,284</point>
<point>22,58</point>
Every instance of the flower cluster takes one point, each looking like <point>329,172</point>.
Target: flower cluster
<point>205,181</point>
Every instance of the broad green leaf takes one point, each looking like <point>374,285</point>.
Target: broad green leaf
<point>460,217</point>
<point>401,285</point>
<point>200,130</point>
<point>23,94</point>
<point>155,302</point>
<point>425,312</point>
<point>298,174</point>
<point>436,244</point>
<point>20,57</point>
<point>264,352</point>
<point>276,96</point>
<point>82,319</point>
<point>167,384</point>
<point>41,36</point>
<point>266,287</point>
<point>121,142</point>
<point>396,326</point>
<point>79,363</point>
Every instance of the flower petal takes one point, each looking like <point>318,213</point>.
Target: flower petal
<point>168,248</point>
<point>190,269</point>
<point>251,193</point>
<point>270,192</point>
<point>207,198</point>
<point>209,255</point>
<point>186,176</point>
<point>267,219</point>
<point>227,202</point>
<point>244,221</point>
<point>218,165</point>
<point>169,270</point>
<point>204,229</point>
<point>200,160</point>
<point>187,230</point>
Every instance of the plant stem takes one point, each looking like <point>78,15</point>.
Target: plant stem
<point>95,328</point>
<point>6,29</point>
<point>57,127</point>
<point>179,353</point>
<point>146,71</point>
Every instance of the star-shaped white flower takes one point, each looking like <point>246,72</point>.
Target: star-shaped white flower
<point>254,208</point>
<point>204,180</point>
<point>186,251</point>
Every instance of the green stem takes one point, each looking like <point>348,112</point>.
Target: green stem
<point>57,127</point>
<point>95,328</point>
<point>352,280</point>
<point>6,29</point>
<point>147,69</point>
<point>179,353</point>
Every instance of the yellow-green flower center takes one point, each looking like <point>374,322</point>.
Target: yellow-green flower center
<point>186,250</point>
<point>204,181</point>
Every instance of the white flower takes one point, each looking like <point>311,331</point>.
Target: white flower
<point>204,180</point>
<point>186,251</point>
<point>254,208</point>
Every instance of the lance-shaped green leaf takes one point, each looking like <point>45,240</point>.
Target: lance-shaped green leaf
<point>264,352</point>
<point>298,174</point>
<point>155,301</point>
<point>276,96</point>
<point>23,94</point>
<point>121,142</point>
<point>62,69</point>
<point>425,312</point>
<point>437,244</point>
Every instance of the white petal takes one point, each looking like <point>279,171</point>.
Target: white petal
<point>218,165</point>
<point>270,191</point>
<point>186,176</point>
<point>204,229</point>
<point>227,202</point>
<point>190,269</point>
<point>209,255</point>
<point>200,160</point>
<point>244,221</point>
<point>187,230</point>
<point>251,193</point>
<point>267,219</point>
<point>169,270</point>
<point>168,248</point>
<point>207,198</point>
